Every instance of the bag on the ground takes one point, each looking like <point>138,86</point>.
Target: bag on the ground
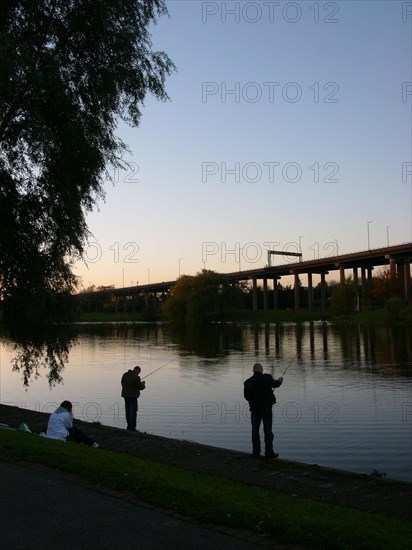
<point>24,427</point>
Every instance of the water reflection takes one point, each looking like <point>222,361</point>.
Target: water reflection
<point>345,402</point>
<point>315,341</point>
<point>47,349</point>
<point>386,345</point>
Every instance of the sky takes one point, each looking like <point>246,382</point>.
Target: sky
<point>288,127</point>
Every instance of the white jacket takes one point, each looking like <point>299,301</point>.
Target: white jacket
<point>59,423</point>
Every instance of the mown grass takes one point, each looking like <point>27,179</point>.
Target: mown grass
<point>212,499</point>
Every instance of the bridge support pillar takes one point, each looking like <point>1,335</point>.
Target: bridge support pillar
<point>356,288</point>
<point>310,292</point>
<point>407,278</point>
<point>342,275</point>
<point>265,294</point>
<point>400,271</point>
<point>297,291</point>
<point>323,298</point>
<point>363,285</point>
<point>370,281</point>
<point>255,297</point>
<point>275,294</point>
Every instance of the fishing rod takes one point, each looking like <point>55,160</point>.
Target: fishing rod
<point>158,368</point>
<point>289,364</point>
<point>173,360</point>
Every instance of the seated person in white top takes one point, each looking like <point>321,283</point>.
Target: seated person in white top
<point>60,426</point>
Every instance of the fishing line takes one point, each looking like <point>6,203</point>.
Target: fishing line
<point>158,368</point>
<point>290,363</point>
<point>173,360</point>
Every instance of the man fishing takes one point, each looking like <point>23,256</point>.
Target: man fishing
<point>258,390</point>
<point>132,385</point>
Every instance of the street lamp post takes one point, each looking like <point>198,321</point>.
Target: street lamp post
<point>369,243</point>
<point>148,275</point>
<point>387,235</point>
<point>180,259</point>
<point>123,270</point>
<point>300,247</point>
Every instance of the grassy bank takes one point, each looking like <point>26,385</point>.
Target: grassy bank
<point>212,499</point>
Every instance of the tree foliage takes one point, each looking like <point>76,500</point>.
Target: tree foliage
<point>194,298</point>
<point>343,298</point>
<point>386,284</point>
<point>49,348</point>
<point>70,70</point>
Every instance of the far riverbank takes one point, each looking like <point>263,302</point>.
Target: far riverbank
<point>261,316</point>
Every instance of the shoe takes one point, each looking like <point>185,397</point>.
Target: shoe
<point>272,455</point>
<point>256,455</point>
<point>95,445</point>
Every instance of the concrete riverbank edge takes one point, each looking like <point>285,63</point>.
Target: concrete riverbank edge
<point>365,492</point>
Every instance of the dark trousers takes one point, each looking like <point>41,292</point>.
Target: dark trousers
<point>265,416</point>
<point>79,437</point>
<point>130,405</point>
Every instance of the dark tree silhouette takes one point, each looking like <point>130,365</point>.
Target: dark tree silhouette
<point>70,70</point>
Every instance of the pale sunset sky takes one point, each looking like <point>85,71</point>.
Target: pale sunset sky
<point>288,126</point>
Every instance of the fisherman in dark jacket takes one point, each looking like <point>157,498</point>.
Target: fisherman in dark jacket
<point>258,390</point>
<point>131,388</point>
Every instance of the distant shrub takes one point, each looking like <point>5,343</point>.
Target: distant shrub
<point>393,308</point>
<point>406,313</point>
<point>343,298</point>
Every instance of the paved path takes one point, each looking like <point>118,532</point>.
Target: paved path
<point>39,511</point>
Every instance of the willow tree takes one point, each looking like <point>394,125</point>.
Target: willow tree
<point>70,71</point>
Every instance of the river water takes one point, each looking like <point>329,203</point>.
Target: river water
<point>346,400</point>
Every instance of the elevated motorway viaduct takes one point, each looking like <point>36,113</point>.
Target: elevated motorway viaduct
<point>359,264</point>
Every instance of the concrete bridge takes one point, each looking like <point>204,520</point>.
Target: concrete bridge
<point>358,265</point>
